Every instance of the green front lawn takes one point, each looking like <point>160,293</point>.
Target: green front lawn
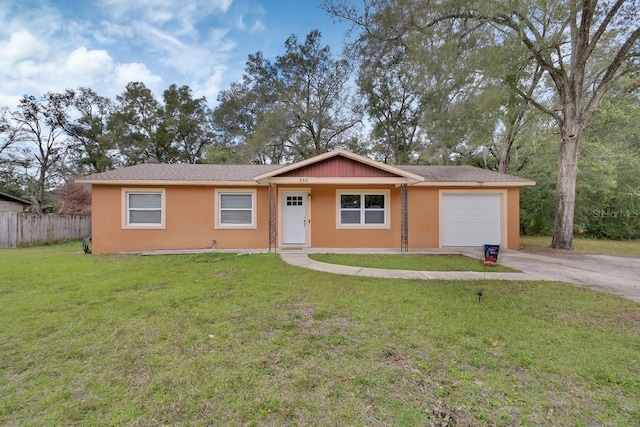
<point>410,262</point>
<point>222,339</point>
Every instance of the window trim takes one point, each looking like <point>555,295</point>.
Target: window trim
<point>126,211</point>
<point>217,208</point>
<point>362,193</point>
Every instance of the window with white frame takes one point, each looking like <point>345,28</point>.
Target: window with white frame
<point>143,208</point>
<point>235,209</point>
<point>368,209</point>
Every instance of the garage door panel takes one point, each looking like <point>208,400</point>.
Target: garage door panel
<point>470,219</point>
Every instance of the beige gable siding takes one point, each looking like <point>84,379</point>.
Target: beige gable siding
<point>7,206</point>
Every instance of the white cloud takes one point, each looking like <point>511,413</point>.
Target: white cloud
<point>223,5</point>
<point>251,20</point>
<point>31,67</point>
<point>257,27</point>
<point>43,21</point>
<point>22,45</point>
<point>192,61</point>
<point>211,86</point>
<point>158,38</point>
<point>7,100</point>
<point>111,33</point>
<point>135,72</point>
<point>83,62</point>
<point>160,16</point>
<point>180,16</point>
<point>174,38</point>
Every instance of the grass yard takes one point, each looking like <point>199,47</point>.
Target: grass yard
<point>411,262</point>
<point>592,246</point>
<point>221,339</point>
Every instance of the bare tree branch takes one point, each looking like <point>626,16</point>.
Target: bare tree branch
<point>610,74</point>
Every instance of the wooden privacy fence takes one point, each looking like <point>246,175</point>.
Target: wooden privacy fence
<point>24,229</point>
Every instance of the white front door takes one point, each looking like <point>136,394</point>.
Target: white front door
<point>294,218</point>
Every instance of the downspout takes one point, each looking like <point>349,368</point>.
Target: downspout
<point>404,219</point>
<point>273,225</point>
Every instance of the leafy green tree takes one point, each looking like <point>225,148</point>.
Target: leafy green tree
<point>177,129</point>
<point>292,108</point>
<point>608,197</point>
<point>391,90</point>
<point>187,123</point>
<point>136,127</point>
<point>537,203</point>
<point>509,81</point>
<point>235,121</point>
<point>84,116</point>
<point>246,127</point>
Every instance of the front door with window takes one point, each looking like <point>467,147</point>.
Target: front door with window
<point>294,218</point>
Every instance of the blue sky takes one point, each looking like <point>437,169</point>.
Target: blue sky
<point>104,44</point>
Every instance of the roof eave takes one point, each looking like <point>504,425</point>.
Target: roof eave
<point>476,184</point>
<point>338,180</point>
<point>16,199</point>
<point>147,182</point>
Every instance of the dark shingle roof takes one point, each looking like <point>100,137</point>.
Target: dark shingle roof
<point>459,174</point>
<point>182,172</point>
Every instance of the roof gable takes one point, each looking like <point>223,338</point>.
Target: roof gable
<point>339,164</point>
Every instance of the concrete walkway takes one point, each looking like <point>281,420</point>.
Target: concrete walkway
<point>301,259</point>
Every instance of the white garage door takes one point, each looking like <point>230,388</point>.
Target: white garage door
<point>470,219</point>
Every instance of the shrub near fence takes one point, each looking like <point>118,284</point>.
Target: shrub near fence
<point>24,229</point>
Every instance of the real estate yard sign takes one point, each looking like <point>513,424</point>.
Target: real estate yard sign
<point>491,254</point>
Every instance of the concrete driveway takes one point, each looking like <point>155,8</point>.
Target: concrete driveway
<point>618,275</point>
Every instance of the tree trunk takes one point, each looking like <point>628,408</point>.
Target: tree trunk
<point>503,165</point>
<point>401,154</point>
<point>40,191</point>
<point>566,189</point>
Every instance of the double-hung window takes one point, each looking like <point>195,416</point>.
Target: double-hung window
<point>235,209</point>
<point>143,208</point>
<point>363,209</point>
